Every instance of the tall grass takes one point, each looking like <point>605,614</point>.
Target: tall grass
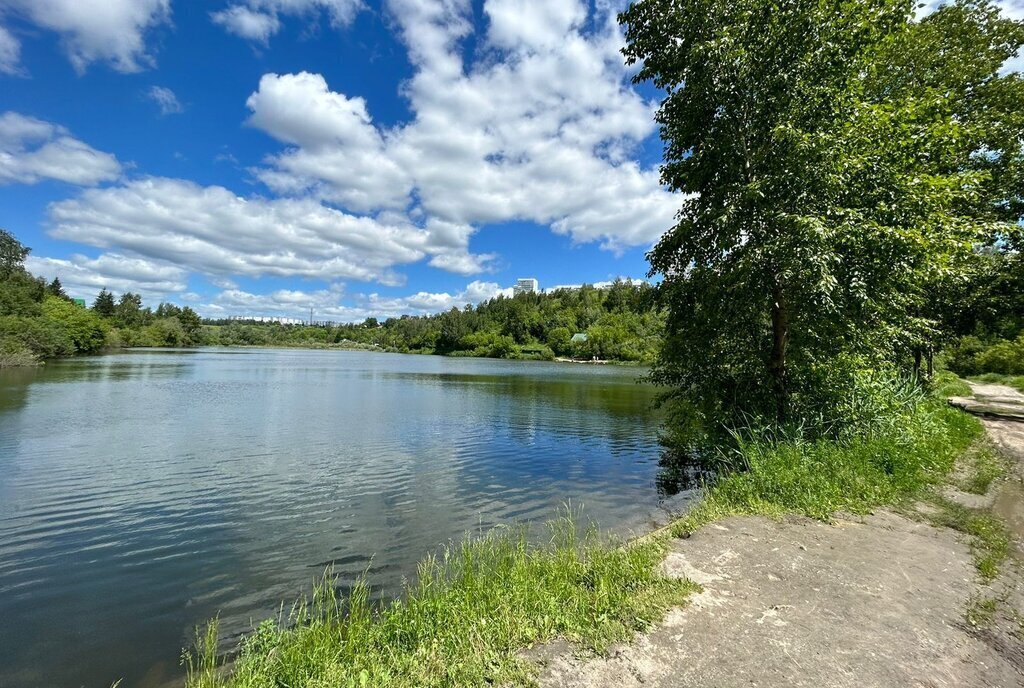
<point>461,622</point>
<point>898,456</point>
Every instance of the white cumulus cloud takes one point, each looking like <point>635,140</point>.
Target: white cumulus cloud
<point>327,303</point>
<point>32,150</point>
<point>540,124</point>
<point>84,277</point>
<point>338,152</point>
<point>211,230</point>
<point>111,31</point>
<point>258,20</point>
<point>541,128</point>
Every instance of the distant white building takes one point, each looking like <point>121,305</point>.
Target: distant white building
<point>526,285</point>
<point>268,319</point>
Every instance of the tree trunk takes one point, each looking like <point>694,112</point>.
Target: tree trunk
<point>917,364</point>
<point>931,363</point>
<point>780,339</point>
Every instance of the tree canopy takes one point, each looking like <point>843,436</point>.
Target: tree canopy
<point>837,161</point>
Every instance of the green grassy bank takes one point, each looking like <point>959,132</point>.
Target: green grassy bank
<point>471,610</point>
<point>914,451</point>
<point>461,622</point>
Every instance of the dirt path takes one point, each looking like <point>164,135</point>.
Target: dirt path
<point>880,601</point>
<point>992,401</point>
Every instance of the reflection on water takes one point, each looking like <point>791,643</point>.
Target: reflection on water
<point>142,493</point>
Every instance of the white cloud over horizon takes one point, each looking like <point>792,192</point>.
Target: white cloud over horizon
<point>209,229</point>
<point>542,127</point>
<point>327,304</point>
<point>85,277</point>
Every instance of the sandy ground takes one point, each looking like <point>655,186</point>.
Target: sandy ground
<point>879,601</point>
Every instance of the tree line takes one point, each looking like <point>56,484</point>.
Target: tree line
<point>38,320</point>
<point>620,322</point>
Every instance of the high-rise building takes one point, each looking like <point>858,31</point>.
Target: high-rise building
<point>526,285</point>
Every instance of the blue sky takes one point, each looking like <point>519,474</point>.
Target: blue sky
<point>363,158</point>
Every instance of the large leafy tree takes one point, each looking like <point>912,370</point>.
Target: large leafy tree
<point>822,194</point>
<point>12,254</point>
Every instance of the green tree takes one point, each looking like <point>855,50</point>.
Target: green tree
<point>819,205</point>
<point>558,340</point>
<point>12,254</point>
<point>55,288</point>
<point>82,327</point>
<point>191,324</point>
<point>452,329</point>
<point>128,312</point>
<point>104,304</point>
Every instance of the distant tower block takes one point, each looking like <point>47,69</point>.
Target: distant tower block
<point>527,285</point>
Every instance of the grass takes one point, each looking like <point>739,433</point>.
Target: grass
<point>981,611</point>
<point>818,479</point>
<point>461,622</point>
<point>946,384</point>
<point>983,467</point>
<point>989,539</point>
<point>1015,381</point>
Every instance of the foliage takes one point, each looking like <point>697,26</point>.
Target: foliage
<point>946,384</point>
<point>908,452</point>
<point>12,254</point>
<point>970,356</point>
<point>104,304</point>
<point>462,621</point>
<point>39,321</point>
<point>826,191</point>
<point>620,323</point>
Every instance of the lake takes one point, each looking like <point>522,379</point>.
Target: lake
<point>144,492</point>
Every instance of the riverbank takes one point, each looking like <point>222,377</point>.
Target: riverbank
<point>470,615</point>
<point>917,594</point>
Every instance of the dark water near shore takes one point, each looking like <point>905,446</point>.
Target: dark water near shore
<point>142,493</point>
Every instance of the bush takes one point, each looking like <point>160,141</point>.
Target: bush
<point>1005,358</point>
<point>43,337</point>
<point>83,327</point>
<point>970,356</point>
<point>13,355</point>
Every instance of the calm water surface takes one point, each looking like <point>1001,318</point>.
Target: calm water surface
<point>142,493</point>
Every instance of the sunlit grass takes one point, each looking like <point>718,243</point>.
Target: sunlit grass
<point>821,478</point>
<point>461,622</point>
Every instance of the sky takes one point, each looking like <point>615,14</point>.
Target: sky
<point>261,157</point>
<point>358,157</point>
